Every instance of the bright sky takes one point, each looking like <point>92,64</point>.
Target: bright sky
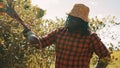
<point>59,8</point>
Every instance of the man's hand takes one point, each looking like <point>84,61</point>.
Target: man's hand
<point>33,39</point>
<point>25,32</point>
<point>102,63</point>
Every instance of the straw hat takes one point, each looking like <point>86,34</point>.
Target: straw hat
<point>80,11</point>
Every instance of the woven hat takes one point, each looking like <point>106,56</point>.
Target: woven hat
<point>80,11</point>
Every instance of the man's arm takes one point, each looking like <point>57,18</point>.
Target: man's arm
<point>102,63</point>
<point>100,49</point>
<point>40,42</point>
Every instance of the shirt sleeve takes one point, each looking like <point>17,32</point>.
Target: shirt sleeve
<point>98,47</point>
<point>48,39</point>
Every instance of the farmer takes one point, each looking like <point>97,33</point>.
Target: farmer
<point>75,43</point>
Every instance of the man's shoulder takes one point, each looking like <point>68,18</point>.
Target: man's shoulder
<point>94,35</point>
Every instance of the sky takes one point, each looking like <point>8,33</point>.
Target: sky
<point>59,8</point>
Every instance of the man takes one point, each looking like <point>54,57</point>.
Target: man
<point>75,44</point>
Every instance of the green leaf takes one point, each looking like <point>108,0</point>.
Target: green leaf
<point>40,13</point>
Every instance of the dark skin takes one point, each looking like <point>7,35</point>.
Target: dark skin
<point>77,24</point>
<point>72,24</point>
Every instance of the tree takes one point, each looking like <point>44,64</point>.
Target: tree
<point>15,50</point>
